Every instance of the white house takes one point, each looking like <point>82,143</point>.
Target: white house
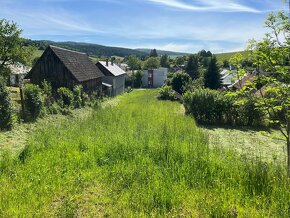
<point>114,78</point>
<point>154,78</point>
<point>228,77</point>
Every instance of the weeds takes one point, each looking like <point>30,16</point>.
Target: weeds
<point>149,161</point>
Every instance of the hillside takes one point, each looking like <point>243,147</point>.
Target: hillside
<point>226,56</point>
<point>98,50</point>
<point>162,52</point>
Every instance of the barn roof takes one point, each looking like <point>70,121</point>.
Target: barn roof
<point>113,69</point>
<point>77,63</point>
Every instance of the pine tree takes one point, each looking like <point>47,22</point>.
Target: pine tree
<point>153,53</point>
<point>164,61</point>
<point>212,78</point>
<point>192,67</point>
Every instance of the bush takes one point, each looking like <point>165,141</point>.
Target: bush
<point>166,93</point>
<point>66,97</point>
<point>215,107</point>
<point>78,94</point>
<point>5,108</point>
<point>33,102</point>
<point>179,81</point>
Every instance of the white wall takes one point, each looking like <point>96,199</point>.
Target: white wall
<point>159,76</point>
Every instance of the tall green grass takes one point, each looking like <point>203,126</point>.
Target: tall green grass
<point>140,158</point>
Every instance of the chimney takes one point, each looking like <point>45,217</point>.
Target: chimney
<point>107,62</point>
<point>112,61</point>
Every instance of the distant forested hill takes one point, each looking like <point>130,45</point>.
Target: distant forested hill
<point>97,50</point>
<point>162,52</point>
<point>90,49</point>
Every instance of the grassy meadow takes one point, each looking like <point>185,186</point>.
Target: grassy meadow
<point>136,157</point>
<point>227,55</point>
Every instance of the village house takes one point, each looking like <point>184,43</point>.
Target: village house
<point>249,77</point>
<point>66,68</point>
<point>17,74</point>
<point>228,77</point>
<point>154,78</point>
<point>114,80</point>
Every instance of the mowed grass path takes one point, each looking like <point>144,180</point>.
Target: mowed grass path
<point>137,159</point>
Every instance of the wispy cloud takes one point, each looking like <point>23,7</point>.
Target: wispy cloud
<point>209,5</point>
<point>51,21</point>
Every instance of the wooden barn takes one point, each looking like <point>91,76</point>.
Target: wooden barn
<point>66,68</point>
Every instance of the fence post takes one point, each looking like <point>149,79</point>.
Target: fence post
<point>22,102</point>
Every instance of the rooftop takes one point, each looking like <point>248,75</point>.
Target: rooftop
<point>78,64</point>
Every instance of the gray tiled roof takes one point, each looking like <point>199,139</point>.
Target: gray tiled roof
<point>78,64</point>
<point>114,69</point>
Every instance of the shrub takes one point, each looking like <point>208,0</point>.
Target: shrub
<point>5,108</point>
<point>180,81</point>
<point>78,96</point>
<point>215,107</point>
<point>166,93</point>
<point>47,93</point>
<point>33,102</point>
<point>66,97</point>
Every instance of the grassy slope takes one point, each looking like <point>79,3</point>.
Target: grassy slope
<point>226,56</point>
<point>133,160</point>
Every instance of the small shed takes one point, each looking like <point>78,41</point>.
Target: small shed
<point>114,76</point>
<point>66,68</point>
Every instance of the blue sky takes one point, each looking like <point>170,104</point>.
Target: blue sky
<point>177,25</point>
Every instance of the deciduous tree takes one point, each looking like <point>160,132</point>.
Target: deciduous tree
<point>270,57</point>
<point>12,47</point>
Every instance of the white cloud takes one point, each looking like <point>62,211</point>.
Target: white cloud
<point>51,21</point>
<point>209,5</point>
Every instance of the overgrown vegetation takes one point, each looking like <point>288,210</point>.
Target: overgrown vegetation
<point>221,108</point>
<point>5,108</point>
<point>147,161</point>
<point>33,102</point>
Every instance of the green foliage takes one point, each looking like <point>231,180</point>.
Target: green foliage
<point>192,67</point>
<point>164,62</point>
<point>135,80</point>
<point>226,64</point>
<point>5,108</point>
<point>66,97</point>
<point>147,161</point>
<point>12,47</point>
<point>166,93</point>
<point>134,63</point>
<point>78,96</point>
<point>204,57</point>
<point>180,60</point>
<point>152,63</point>
<point>212,77</point>
<point>153,53</point>
<point>219,108</point>
<point>179,81</point>
<point>47,94</point>
<point>272,56</point>
<point>33,102</point>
